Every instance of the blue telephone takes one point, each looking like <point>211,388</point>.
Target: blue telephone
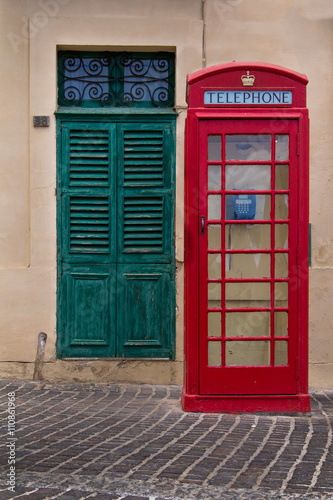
<point>241,207</point>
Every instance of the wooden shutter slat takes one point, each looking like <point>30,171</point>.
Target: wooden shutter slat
<point>89,156</point>
<point>85,234</point>
<point>150,231</point>
<point>143,153</point>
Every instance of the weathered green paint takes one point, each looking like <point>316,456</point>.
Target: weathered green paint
<point>115,196</point>
<point>145,310</point>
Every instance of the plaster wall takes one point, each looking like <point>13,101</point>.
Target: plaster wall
<point>28,280</point>
<point>296,34</point>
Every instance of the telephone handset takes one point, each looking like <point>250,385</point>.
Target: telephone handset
<point>241,207</point>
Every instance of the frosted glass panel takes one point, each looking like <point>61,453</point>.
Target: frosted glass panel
<point>281,206</point>
<point>214,353</point>
<point>281,294</point>
<point>247,353</point>
<point>248,177</point>
<point>214,177</point>
<point>252,265</point>
<point>281,265</point>
<point>247,236</point>
<point>281,235</point>
<point>214,295</point>
<point>247,294</point>
<point>214,207</point>
<point>248,147</point>
<point>281,353</point>
<point>214,148</point>
<point>214,237</point>
<point>247,324</point>
<point>214,324</point>
<point>282,147</point>
<point>214,266</point>
<point>281,177</point>
<point>281,323</point>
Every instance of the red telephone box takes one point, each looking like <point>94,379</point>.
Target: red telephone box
<point>246,250</point>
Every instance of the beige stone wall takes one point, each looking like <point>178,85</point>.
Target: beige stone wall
<point>293,33</point>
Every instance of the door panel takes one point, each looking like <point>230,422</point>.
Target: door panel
<point>88,322</point>
<point>145,312</point>
<point>247,257</point>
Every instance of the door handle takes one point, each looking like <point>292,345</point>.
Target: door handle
<point>202,225</point>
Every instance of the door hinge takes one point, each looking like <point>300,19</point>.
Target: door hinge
<point>298,144</point>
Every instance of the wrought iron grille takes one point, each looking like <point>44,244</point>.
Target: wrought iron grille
<point>91,79</point>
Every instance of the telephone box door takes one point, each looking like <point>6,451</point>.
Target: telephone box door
<point>248,179</point>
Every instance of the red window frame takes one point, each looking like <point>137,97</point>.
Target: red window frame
<point>251,379</point>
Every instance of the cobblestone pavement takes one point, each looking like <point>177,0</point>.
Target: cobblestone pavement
<point>135,442</point>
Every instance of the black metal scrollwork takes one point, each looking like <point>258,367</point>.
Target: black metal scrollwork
<point>116,79</point>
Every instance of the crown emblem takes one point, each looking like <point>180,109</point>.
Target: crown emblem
<point>248,80</point>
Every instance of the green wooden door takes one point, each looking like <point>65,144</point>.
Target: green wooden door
<point>115,239</point>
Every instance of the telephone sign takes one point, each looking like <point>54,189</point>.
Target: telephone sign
<point>246,254</point>
<point>242,97</point>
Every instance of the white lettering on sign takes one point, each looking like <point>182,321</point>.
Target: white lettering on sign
<point>245,97</point>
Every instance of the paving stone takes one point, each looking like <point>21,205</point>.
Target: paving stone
<point>134,442</point>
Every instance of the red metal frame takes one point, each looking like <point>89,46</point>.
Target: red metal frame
<point>281,388</point>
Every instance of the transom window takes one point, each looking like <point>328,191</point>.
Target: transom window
<point>116,79</point>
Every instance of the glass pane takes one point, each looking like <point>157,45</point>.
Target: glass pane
<point>247,353</point>
<point>214,148</point>
<point>247,206</point>
<point>247,265</point>
<point>155,83</point>
<point>247,324</point>
<point>247,294</point>
<point>99,79</point>
<point>282,147</point>
<point>281,353</point>
<point>281,176</point>
<point>247,236</point>
<point>214,295</point>
<point>214,177</point>
<point>281,265</point>
<point>281,235</point>
<point>281,294</point>
<point>281,206</point>
<point>214,237</point>
<point>214,207</point>
<point>248,177</point>
<point>248,147</point>
<point>214,266</point>
<point>214,353</point>
<point>281,323</point>
<point>214,324</point>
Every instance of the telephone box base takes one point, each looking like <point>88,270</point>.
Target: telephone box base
<point>299,403</point>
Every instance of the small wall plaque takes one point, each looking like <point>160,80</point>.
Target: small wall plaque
<point>41,121</point>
